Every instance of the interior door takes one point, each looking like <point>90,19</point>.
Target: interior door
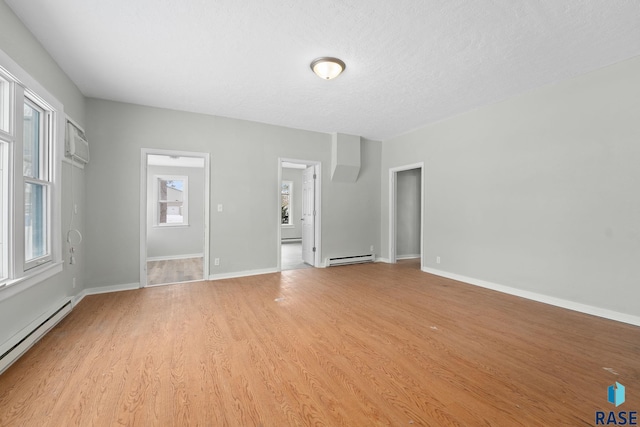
<point>308,215</point>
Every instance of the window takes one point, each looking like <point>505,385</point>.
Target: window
<point>172,200</point>
<point>5,140</point>
<point>31,123</point>
<point>4,104</point>
<point>3,212</point>
<point>35,144</point>
<point>286,195</point>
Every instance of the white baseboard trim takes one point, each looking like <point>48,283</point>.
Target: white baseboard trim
<point>385,260</point>
<point>105,290</point>
<point>79,297</point>
<point>411,256</point>
<point>31,326</point>
<point>546,299</point>
<point>246,273</point>
<point>12,349</point>
<point>172,257</point>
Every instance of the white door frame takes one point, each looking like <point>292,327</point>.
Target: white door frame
<point>318,220</point>
<point>144,153</point>
<point>393,175</point>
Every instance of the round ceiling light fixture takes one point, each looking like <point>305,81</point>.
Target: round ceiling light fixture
<point>327,68</point>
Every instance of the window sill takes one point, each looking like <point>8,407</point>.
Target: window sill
<point>13,287</point>
<point>288,226</point>
<point>171,226</point>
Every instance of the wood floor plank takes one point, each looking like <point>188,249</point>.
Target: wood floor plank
<point>371,345</point>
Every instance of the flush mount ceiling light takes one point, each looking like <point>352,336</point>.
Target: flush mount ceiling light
<point>327,68</point>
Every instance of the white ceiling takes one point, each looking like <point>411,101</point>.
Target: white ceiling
<point>409,62</point>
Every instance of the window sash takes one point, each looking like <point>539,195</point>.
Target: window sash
<point>6,140</point>
<point>5,105</point>
<point>37,221</point>
<point>4,213</point>
<point>172,210</point>
<point>36,139</point>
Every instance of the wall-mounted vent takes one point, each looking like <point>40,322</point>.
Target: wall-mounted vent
<point>16,346</point>
<point>354,259</point>
<point>345,157</point>
<point>76,146</point>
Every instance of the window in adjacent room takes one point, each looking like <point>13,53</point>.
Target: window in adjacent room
<point>172,204</point>
<point>286,194</point>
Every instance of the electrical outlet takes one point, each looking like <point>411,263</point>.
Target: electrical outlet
<point>216,261</point>
<point>371,248</point>
<point>220,208</point>
<point>437,260</point>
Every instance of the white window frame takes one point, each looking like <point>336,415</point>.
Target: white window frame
<point>43,178</point>
<point>18,273</point>
<point>290,224</point>
<point>5,102</point>
<point>4,211</point>
<point>185,199</point>
<point>6,144</point>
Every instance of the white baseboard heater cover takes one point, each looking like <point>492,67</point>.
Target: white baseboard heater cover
<point>354,259</point>
<point>25,339</point>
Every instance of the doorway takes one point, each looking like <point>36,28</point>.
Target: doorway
<point>298,214</point>
<point>406,219</point>
<point>174,217</point>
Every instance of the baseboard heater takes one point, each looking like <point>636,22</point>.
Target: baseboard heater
<point>25,339</point>
<point>354,259</point>
<point>291,240</point>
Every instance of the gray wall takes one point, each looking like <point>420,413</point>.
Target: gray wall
<point>408,189</point>
<point>244,179</point>
<point>168,242</point>
<point>295,176</point>
<point>539,192</point>
<point>18,311</point>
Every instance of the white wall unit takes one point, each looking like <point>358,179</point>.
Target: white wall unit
<point>76,144</point>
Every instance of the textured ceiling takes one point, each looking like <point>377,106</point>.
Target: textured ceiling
<point>409,62</point>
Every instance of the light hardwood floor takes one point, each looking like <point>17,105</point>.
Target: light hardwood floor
<point>359,345</point>
<point>174,271</point>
